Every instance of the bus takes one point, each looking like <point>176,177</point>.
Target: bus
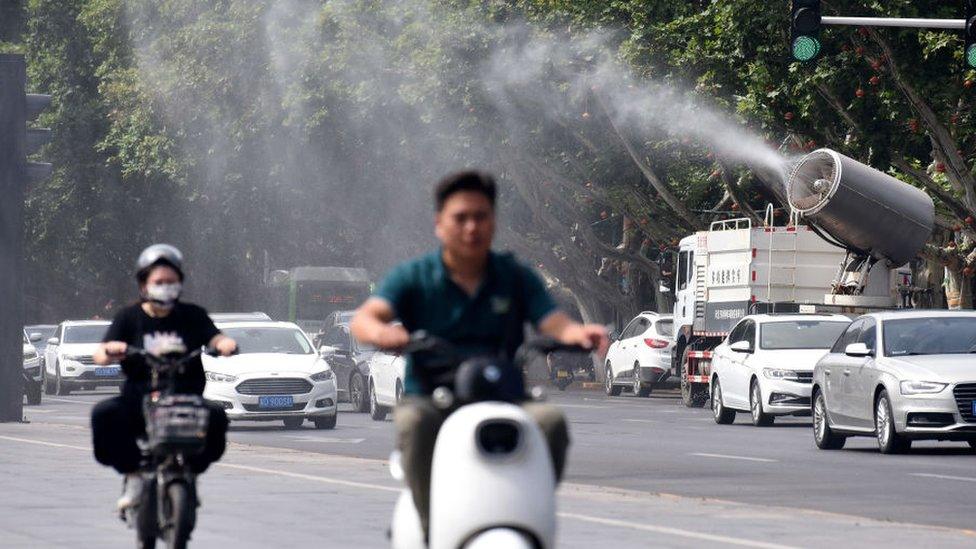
<point>308,295</point>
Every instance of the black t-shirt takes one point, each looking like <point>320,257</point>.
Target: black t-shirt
<point>186,323</point>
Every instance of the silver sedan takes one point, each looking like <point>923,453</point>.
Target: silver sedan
<point>899,376</point>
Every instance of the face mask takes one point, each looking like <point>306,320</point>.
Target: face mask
<point>164,295</point>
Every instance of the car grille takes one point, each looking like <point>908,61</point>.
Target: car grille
<point>965,394</point>
<point>275,386</point>
<point>87,360</point>
<point>298,406</point>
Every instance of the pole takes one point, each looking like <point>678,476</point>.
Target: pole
<point>13,136</point>
<point>954,24</point>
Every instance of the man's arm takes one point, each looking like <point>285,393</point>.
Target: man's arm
<point>560,326</point>
<point>373,325</point>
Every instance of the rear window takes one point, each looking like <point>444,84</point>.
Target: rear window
<point>800,334</point>
<point>664,327</point>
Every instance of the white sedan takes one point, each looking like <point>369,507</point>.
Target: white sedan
<point>386,372</point>
<point>765,365</point>
<point>277,376</point>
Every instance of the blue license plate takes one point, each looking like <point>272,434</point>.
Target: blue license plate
<point>110,371</point>
<point>276,402</point>
<point>974,407</point>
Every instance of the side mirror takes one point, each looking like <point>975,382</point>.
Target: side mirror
<point>53,341</point>
<point>614,335</point>
<point>741,346</point>
<point>34,337</point>
<point>857,350</point>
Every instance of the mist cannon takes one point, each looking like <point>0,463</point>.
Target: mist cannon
<point>876,217</point>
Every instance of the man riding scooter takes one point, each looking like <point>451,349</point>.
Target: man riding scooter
<point>475,299</point>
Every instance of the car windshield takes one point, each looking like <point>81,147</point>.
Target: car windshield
<point>91,333</point>
<point>665,327</point>
<point>287,341</point>
<point>929,336</point>
<point>800,334</point>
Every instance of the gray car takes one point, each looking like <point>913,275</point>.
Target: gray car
<point>899,376</point>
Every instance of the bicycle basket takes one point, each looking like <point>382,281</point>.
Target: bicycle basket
<point>177,423</point>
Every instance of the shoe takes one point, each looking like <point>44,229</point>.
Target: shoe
<point>131,491</point>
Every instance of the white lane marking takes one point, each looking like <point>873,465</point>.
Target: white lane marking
<point>723,456</point>
<point>638,420</point>
<point>308,438</point>
<point>44,443</point>
<point>302,476</point>
<point>675,532</point>
<point>588,406</point>
<point>943,477</point>
<point>32,411</point>
<point>85,402</point>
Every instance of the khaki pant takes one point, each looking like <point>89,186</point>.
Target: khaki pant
<point>417,422</point>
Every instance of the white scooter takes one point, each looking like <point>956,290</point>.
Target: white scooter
<point>492,480</point>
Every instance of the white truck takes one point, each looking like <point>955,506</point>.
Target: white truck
<point>850,228</point>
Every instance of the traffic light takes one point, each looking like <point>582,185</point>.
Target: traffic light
<point>970,34</point>
<point>805,29</point>
<point>17,142</point>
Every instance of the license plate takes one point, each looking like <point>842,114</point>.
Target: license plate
<point>106,372</point>
<point>974,407</point>
<point>275,402</point>
<point>562,374</point>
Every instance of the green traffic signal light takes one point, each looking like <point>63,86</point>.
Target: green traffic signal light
<point>805,48</point>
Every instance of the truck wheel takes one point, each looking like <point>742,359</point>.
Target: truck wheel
<point>723,415</point>
<point>693,395</point>
<point>612,390</point>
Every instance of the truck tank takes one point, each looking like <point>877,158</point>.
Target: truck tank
<point>869,212</point>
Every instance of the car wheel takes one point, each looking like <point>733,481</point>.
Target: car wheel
<point>327,422</point>
<point>759,417</point>
<point>33,392</point>
<point>60,387</point>
<point>610,388</point>
<point>823,435</point>
<point>692,394</point>
<point>48,383</point>
<point>357,393</point>
<point>889,441</point>
<point>722,415</point>
<point>376,411</point>
<point>293,422</point>
<point>640,389</point>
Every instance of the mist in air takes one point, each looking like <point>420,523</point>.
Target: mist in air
<point>315,132</point>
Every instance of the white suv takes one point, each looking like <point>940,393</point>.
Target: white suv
<point>68,362</point>
<point>641,355</point>
<point>765,365</point>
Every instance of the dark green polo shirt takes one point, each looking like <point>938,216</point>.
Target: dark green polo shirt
<point>424,297</point>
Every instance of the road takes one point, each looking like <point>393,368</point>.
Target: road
<point>642,473</point>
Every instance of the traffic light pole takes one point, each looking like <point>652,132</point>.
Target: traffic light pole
<point>13,180</point>
<point>954,24</point>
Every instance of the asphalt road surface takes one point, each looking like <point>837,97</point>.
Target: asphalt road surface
<point>642,473</point>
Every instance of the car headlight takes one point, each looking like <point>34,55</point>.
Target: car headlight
<point>776,373</point>
<point>30,355</point>
<point>921,387</point>
<point>220,378</point>
<point>324,375</point>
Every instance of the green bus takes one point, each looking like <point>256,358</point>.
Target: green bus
<point>308,295</point>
